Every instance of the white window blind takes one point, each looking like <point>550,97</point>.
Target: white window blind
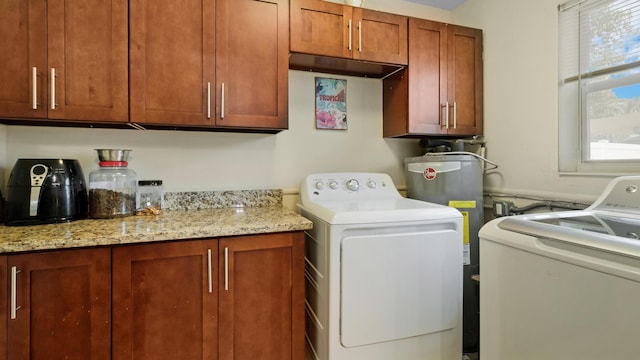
<point>599,79</point>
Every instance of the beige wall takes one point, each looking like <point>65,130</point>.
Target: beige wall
<point>521,107</point>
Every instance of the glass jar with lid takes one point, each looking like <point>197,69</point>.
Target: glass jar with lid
<point>112,187</point>
<point>149,198</point>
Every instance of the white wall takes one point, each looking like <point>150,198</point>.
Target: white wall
<point>189,161</point>
<point>520,97</point>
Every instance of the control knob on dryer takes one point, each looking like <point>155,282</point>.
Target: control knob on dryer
<point>353,185</point>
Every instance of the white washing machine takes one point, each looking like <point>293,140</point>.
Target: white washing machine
<point>383,272</point>
<point>564,285</point>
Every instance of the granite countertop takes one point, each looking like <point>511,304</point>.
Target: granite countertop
<point>177,223</point>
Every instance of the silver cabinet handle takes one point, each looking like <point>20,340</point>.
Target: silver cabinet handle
<point>226,269</point>
<point>350,35</point>
<point>446,107</point>
<point>209,271</point>
<point>360,36</point>
<point>53,88</point>
<point>34,79</point>
<point>222,102</point>
<point>209,102</point>
<point>14,306</point>
<point>455,115</point>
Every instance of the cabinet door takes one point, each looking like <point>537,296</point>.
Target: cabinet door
<point>171,53</point>
<point>428,77</point>
<point>379,36</point>
<point>87,50</point>
<point>165,301</point>
<point>262,297</point>
<point>252,59</point>
<point>465,80</point>
<point>321,28</point>
<point>23,59</point>
<point>414,99</point>
<point>62,301</point>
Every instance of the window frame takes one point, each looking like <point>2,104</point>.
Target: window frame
<point>574,146</point>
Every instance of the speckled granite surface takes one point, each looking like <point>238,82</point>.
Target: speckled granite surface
<point>221,199</point>
<point>200,217</point>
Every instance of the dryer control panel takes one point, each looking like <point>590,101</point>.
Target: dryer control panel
<point>343,186</point>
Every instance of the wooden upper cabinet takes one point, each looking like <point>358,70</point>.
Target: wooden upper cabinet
<point>440,92</point>
<point>62,305</point>
<point>262,297</point>
<point>23,27</point>
<point>64,60</point>
<point>335,30</point>
<point>320,28</point>
<point>172,62</point>
<point>252,63</point>
<point>165,301</point>
<point>465,80</point>
<point>379,36</point>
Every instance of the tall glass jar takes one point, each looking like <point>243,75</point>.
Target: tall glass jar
<point>112,190</point>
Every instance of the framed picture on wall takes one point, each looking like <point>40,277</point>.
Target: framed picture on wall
<point>331,103</point>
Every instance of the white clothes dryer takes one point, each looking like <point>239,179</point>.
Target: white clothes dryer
<point>383,272</point>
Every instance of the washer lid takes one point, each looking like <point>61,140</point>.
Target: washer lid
<point>376,211</point>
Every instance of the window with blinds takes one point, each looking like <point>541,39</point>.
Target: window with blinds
<point>599,85</point>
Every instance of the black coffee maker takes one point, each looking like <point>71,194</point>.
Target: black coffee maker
<point>42,191</point>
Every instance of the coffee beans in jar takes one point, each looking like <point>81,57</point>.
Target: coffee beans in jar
<point>112,188</point>
<point>107,204</point>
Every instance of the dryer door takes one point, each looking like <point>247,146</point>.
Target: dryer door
<point>399,285</point>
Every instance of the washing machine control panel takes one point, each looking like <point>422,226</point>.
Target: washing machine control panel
<point>336,186</point>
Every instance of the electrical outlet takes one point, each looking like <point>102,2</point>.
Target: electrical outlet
<point>502,208</point>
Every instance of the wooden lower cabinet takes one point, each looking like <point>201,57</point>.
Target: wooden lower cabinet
<point>164,301</point>
<point>262,297</point>
<point>63,305</point>
<point>234,298</point>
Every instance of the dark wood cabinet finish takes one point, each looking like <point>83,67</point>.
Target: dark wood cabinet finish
<point>64,305</point>
<point>236,298</point>
<point>335,30</point>
<point>172,62</point>
<point>165,301</point>
<point>262,297</point>
<point>465,80</point>
<point>335,38</point>
<point>252,63</point>
<point>379,36</point>
<point>64,60</point>
<point>440,92</point>
<point>320,28</point>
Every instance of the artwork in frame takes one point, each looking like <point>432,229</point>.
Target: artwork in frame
<point>331,103</point>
